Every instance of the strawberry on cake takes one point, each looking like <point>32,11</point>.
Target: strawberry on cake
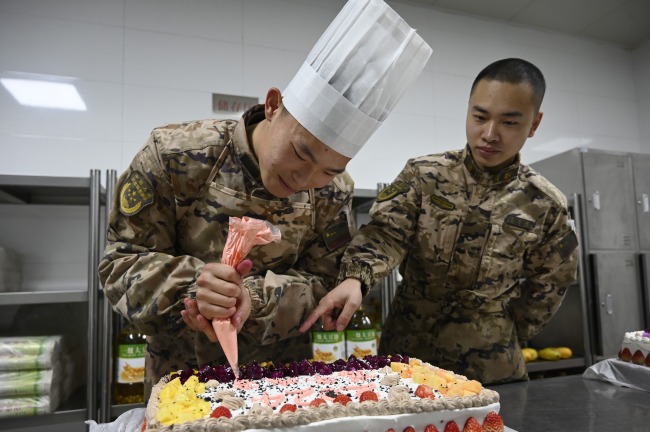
<point>375,393</point>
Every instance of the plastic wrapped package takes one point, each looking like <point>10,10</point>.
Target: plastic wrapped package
<point>49,322</point>
<point>58,382</point>
<point>26,383</point>
<point>24,406</point>
<point>29,352</point>
<point>37,374</point>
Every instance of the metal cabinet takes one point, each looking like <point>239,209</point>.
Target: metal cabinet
<point>609,198</point>
<point>618,299</point>
<point>612,189</point>
<point>39,198</point>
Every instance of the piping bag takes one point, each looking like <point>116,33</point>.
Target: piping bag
<point>243,234</point>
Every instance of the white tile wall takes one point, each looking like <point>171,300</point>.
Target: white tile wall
<point>90,11</point>
<point>284,24</point>
<point>53,46</point>
<point>160,59</point>
<point>142,63</point>
<point>202,19</point>
<point>259,76</point>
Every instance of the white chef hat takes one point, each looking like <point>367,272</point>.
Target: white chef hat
<point>355,74</point>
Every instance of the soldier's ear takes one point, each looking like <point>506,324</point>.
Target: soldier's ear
<point>536,121</point>
<point>273,103</point>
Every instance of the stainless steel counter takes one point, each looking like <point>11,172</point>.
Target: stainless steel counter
<point>575,404</point>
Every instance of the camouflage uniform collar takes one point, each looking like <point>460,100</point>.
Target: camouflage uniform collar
<point>503,176</point>
<point>242,148</point>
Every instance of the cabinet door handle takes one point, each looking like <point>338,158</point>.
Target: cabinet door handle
<point>608,304</point>
<point>596,200</point>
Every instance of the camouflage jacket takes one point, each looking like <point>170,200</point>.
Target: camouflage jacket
<point>170,216</point>
<point>485,258</point>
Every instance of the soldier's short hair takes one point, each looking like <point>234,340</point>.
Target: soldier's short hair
<point>515,71</point>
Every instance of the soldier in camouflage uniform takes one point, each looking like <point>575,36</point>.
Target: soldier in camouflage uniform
<point>170,218</point>
<point>484,243</point>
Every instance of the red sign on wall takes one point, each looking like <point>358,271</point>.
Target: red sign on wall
<point>231,104</point>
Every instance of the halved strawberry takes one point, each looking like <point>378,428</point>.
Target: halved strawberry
<point>451,427</point>
<point>390,430</point>
<point>424,392</point>
<point>221,411</point>
<point>430,428</point>
<point>288,407</point>
<point>493,423</point>
<point>342,399</point>
<point>638,357</point>
<point>647,359</point>
<point>625,355</point>
<point>409,429</point>
<point>316,402</point>
<point>472,425</point>
<point>368,395</point>
<point>144,426</point>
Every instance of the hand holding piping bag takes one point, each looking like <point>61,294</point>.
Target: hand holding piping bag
<point>243,234</point>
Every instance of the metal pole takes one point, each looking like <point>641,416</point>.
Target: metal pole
<point>107,322</point>
<point>93,290</point>
<point>582,283</point>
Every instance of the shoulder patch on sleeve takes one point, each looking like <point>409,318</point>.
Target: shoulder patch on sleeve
<point>392,190</point>
<point>135,194</point>
<point>567,245</point>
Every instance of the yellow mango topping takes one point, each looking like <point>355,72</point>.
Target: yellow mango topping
<point>179,403</point>
<point>398,367</point>
<point>438,379</point>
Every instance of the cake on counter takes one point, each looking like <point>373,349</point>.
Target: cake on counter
<point>635,347</point>
<point>375,393</point>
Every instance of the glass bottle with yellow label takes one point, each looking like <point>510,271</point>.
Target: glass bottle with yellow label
<point>128,385</point>
<point>361,335</point>
<point>327,346</point>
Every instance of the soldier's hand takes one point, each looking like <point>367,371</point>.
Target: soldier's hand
<point>196,321</point>
<point>218,288</point>
<point>346,297</point>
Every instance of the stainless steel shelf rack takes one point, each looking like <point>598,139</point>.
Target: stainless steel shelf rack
<point>77,191</point>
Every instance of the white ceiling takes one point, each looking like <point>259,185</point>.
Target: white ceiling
<point>623,22</point>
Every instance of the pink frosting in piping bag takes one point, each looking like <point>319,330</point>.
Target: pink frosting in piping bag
<point>243,234</point>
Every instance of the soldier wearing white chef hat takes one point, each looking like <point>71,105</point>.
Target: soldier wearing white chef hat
<point>284,162</point>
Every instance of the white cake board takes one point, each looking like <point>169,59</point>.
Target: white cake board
<point>131,421</point>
